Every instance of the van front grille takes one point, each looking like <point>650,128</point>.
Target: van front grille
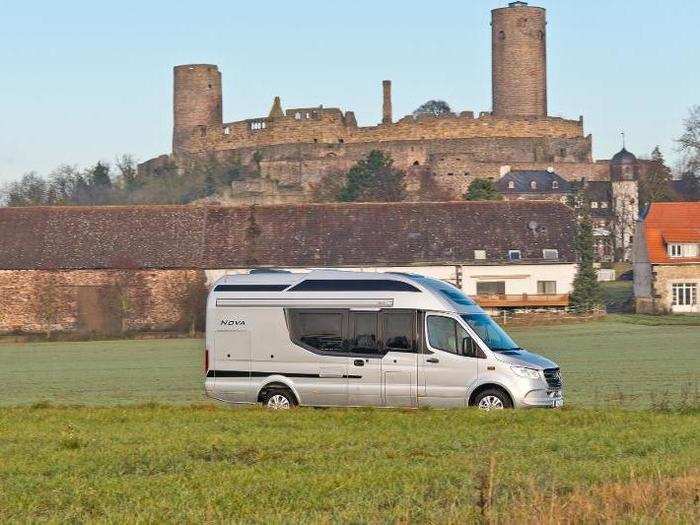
<point>553,377</point>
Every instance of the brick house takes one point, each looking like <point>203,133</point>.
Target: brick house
<point>107,269</point>
<point>666,258</point>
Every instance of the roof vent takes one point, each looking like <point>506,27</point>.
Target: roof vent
<point>517,4</point>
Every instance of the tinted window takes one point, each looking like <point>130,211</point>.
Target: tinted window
<point>319,330</point>
<point>399,331</point>
<point>353,285</point>
<point>363,333</point>
<point>444,333</point>
<point>456,296</point>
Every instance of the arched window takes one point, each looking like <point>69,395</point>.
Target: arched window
<point>533,185</point>
<point>502,35</point>
<point>511,184</point>
<point>555,184</point>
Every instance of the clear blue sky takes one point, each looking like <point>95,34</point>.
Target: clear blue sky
<point>84,81</point>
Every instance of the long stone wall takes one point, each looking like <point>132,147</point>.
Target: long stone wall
<point>332,128</point>
<point>96,301</point>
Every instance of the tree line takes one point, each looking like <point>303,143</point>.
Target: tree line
<point>122,183</point>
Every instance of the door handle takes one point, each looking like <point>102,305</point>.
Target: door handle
<point>432,360</point>
<point>359,362</point>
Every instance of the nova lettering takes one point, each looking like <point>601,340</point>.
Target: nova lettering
<point>232,322</point>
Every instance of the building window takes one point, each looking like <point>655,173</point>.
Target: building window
<point>685,294</point>
<point>533,185</point>
<point>555,185</point>
<point>550,254</point>
<point>227,130</point>
<point>511,184</point>
<point>594,204</point>
<point>683,250</point>
<point>603,204</point>
<point>297,115</point>
<point>479,254</point>
<point>258,125</point>
<point>562,152</point>
<point>491,288</point>
<point>546,287</point>
<point>514,255</point>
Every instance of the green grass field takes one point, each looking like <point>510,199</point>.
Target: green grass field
<point>604,362</point>
<point>145,446</point>
<point>204,464</point>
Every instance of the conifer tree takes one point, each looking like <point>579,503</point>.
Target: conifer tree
<point>587,295</point>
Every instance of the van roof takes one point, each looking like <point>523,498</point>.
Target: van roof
<point>443,294</point>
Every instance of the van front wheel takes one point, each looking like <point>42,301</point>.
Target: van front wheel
<point>279,399</point>
<point>493,399</point>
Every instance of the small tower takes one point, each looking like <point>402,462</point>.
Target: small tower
<point>519,60</point>
<point>196,103</point>
<point>624,172</point>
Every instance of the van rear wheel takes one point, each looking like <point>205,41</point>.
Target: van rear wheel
<point>279,399</point>
<point>492,399</point>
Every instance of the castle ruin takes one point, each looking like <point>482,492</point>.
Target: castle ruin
<point>293,149</point>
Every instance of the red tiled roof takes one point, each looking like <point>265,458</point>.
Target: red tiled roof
<point>310,235</point>
<point>671,222</point>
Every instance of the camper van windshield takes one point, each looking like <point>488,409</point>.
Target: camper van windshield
<point>490,333</point>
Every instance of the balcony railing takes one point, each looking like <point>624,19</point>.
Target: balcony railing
<point>521,300</point>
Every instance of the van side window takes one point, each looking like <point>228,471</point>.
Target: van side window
<point>399,331</point>
<point>319,330</point>
<point>444,333</point>
<point>363,337</point>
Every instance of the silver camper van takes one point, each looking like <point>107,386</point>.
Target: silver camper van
<point>336,338</point>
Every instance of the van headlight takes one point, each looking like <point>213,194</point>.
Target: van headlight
<point>523,371</point>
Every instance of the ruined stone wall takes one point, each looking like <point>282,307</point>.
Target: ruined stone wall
<point>332,128</point>
<point>94,301</point>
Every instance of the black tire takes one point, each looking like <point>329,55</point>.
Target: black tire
<point>276,398</point>
<point>492,399</point>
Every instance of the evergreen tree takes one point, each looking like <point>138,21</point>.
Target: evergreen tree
<point>99,176</point>
<point>482,190</point>
<point>374,179</point>
<point>587,294</point>
<point>654,185</point>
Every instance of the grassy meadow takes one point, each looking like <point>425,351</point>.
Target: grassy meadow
<point>195,464</point>
<point>612,362</point>
<point>119,431</point>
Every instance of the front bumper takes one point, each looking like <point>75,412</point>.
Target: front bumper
<point>543,398</point>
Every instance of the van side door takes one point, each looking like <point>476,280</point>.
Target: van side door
<point>400,362</point>
<point>364,358</point>
<point>447,366</point>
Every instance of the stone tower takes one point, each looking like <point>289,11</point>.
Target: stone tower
<point>196,103</point>
<point>519,60</point>
<point>624,176</point>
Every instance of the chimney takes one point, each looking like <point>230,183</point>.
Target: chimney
<point>386,109</point>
